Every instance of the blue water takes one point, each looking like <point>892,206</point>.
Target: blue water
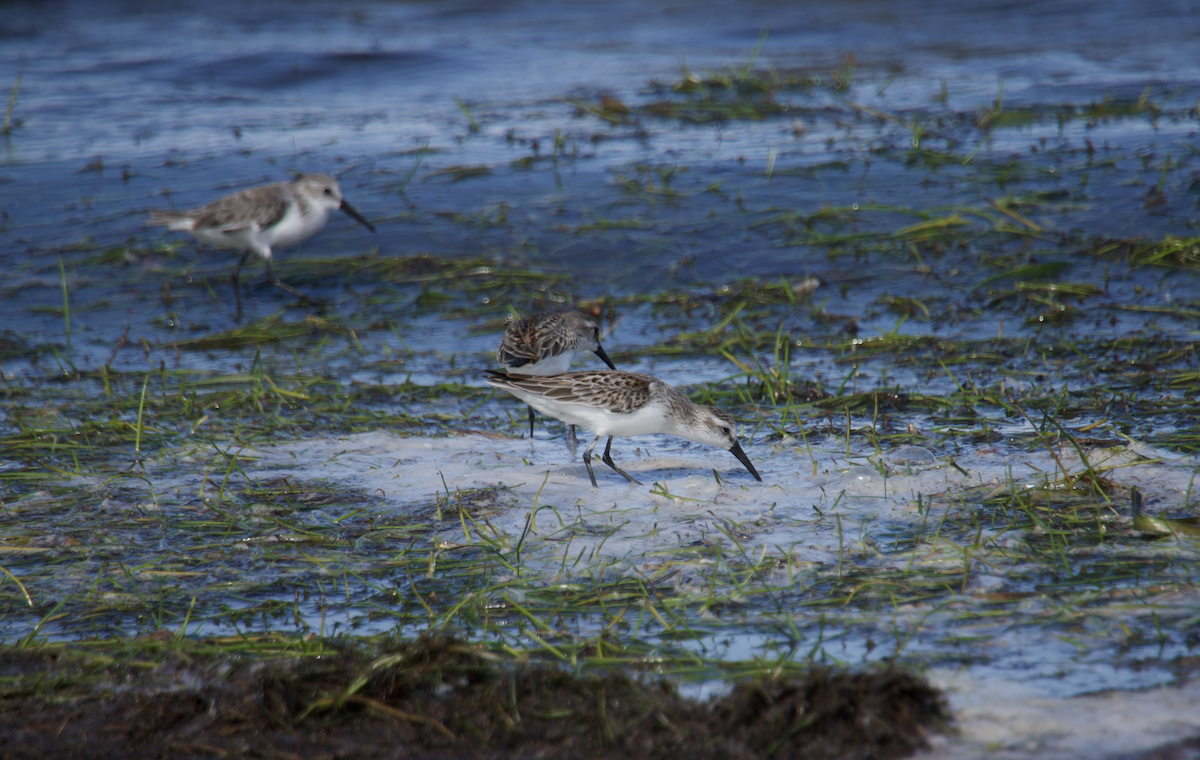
<point>127,107</point>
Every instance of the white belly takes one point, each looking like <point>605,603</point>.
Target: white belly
<point>245,239</point>
<point>648,420</point>
<point>295,227</point>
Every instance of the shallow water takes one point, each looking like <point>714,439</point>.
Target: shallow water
<point>126,108</point>
<point>473,131</point>
<point>814,507</point>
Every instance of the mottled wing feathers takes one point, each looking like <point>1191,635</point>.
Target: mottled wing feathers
<point>263,206</point>
<point>535,337</point>
<point>614,391</point>
<point>517,348</point>
<point>618,392</point>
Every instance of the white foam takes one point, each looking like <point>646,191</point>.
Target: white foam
<point>681,497</point>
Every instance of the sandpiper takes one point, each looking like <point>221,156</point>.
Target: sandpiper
<point>615,403</point>
<point>545,343</point>
<point>260,218</point>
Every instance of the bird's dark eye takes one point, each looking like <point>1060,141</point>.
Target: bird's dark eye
<point>328,191</point>
<point>725,430</point>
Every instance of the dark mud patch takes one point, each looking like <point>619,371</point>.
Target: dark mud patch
<point>434,698</point>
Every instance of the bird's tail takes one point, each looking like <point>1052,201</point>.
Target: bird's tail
<point>176,220</point>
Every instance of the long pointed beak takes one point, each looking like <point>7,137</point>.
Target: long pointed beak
<point>736,450</point>
<point>356,216</point>
<point>604,356</point>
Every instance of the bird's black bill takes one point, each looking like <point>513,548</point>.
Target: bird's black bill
<point>604,356</point>
<point>741,455</point>
<point>350,212</point>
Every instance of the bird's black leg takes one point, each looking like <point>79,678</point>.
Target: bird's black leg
<point>587,460</point>
<point>236,278</point>
<point>289,289</point>
<point>608,461</point>
<point>572,441</point>
<point>530,408</point>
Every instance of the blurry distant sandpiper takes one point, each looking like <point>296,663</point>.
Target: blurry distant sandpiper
<point>545,343</point>
<point>261,218</point>
<point>623,404</point>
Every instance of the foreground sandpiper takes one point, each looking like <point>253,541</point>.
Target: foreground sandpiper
<point>545,343</point>
<point>623,404</point>
<point>261,218</point>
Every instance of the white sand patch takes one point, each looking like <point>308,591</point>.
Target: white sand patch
<point>683,502</point>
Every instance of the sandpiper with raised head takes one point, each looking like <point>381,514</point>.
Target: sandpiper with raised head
<point>262,218</point>
<point>615,403</point>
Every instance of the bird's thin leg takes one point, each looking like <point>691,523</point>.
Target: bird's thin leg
<point>572,441</point>
<point>587,460</point>
<point>236,279</point>
<point>608,461</point>
<point>289,289</point>
<point>530,408</point>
